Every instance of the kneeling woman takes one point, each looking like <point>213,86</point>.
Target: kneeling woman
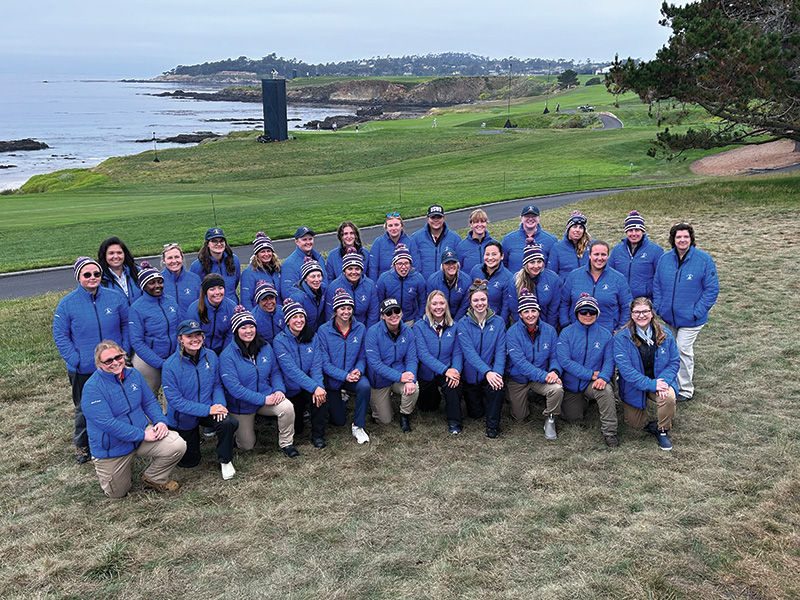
<point>253,384</point>
<point>194,395</point>
<point>648,361</point>
<point>117,404</point>
<point>482,335</point>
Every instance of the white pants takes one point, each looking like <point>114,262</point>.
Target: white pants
<point>684,338</point>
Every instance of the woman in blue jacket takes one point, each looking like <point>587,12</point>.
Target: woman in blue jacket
<point>499,280</point>
<point>269,319</point>
<point>404,284</point>
<point>85,317</point>
<point>362,290</point>
<point>571,251</point>
<point>349,241</point>
<point>194,396</point>
<point>253,384</point>
<point>180,284</point>
<point>482,336</point>
<point>300,360</point>
<point>685,288</point>
<point>648,362</point>
<point>344,364</point>
<point>440,360</point>
<point>470,250</point>
<point>264,266</point>
<point>382,251</point>
<point>214,311</point>
<point>153,327</point>
<point>117,404</point>
<point>310,292</point>
<point>216,256</point>
<point>120,272</point>
<point>636,256</point>
<point>541,282</point>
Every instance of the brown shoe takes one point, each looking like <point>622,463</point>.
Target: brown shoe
<point>165,488</point>
<point>611,441</point>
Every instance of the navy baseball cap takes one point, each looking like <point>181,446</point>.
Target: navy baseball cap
<point>189,326</point>
<point>301,231</point>
<point>449,256</point>
<point>530,208</point>
<point>214,232</point>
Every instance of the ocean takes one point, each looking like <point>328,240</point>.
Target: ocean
<point>86,120</point>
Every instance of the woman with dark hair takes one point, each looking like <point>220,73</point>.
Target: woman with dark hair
<point>362,290</point>
<point>648,361</point>
<point>499,280</point>
<point>180,284</point>
<point>214,311</point>
<point>309,292</point>
<point>349,238</point>
<point>382,251</point>
<point>570,252</point>
<point>120,272</point>
<point>541,282</point>
<point>269,320</point>
<point>216,256</point>
<point>264,266</point>
<point>685,288</point>
<point>636,256</point>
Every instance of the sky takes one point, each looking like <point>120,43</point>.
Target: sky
<point>143,38</point>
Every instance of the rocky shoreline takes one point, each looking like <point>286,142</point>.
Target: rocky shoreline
<point>27,144</point>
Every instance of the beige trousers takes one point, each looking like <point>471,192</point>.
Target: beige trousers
<point>381,401</point>
<point>151,375</point>
<point>246,434</point>
<point>573,407</point>
<point>665,412</point>
<point>517,394</point>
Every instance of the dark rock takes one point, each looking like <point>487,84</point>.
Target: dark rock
<point>8,166</point>
<point>184,138</point>
<point>26,144</point>
<point>370,111</point>
<point>340,120</point>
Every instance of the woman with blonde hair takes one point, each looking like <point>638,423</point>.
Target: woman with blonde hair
<point>264,266</point>
<point>180,284</point>
<point>470,249</point>
<point>382,251</point>
<point>541,282</point>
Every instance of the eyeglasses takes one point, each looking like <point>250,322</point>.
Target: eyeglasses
<point>216,241</point>
<point>394,214</point>
<point>109,361</point>
<point>641,313</point>
<point>91,275</point>
<point>392,311</point>
<point>585,313</point>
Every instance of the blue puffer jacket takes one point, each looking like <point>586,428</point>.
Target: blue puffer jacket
<point>514,243</point>
<point>184,288</point>
<point>639,267</point>
<point>684,293</point>
<point>191,389</point>
<point>547,289</point>
<point>388,359</point>
<point>301,364</point>
<point>457,296</point>
<point>437,353</point>
<point>339,355</point>
<point>531,361</point>
<point>247,383</point>
<point>268,324</point>
<point>409,292</point>
<point>484,348</point>
<point>248,286</point>
<point>154,328</point>
<point>134,291</point>
<point>633,383</point>
<point>218,328</point>
<point>291,270</point>
<point>501,289</point>
<point>563,258</point>
<point>470,251</point>
<point>83,320</point>
<point>581,351</point>
<point>610,290</point>
<point>380,255</point>
<point>427,254</point>
<point>218,267</point>
<point>333,264</point>
<point>117,412</point>
<point>313,304</point>
<point>365,295</point>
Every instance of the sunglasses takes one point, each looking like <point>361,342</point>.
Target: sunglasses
<point>394,214</point>
<point>109,361</point>
<point>90,275</point>
<point>392,311</point>
<point>171,245</point>
<point>585,313</point>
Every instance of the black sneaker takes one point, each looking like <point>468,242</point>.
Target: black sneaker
<point>492,433</point>
<point>290,451</point>
<point>454,427</point>
<point>82,454</point>
<point>405,423</point>
<point>319,443</point>
<point>651,428</point>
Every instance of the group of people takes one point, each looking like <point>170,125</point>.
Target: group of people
<point>423,317</point>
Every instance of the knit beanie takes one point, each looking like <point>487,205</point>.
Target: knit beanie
<point>81,262</point>
<point>291,308</point>
<point>262,242</point>
<point>527,301</point>
<point>401,252</point>
<point>241,316</point>
<point>576,218</point>
<point>147,273</point>
<point>352,258</point>
<point>634,221</point>
<point>586,301</point>
<point>212,280</point>
<point>342,298</point>
<point>264,288</point>
<point>532,252</point>
<point>309,266</point>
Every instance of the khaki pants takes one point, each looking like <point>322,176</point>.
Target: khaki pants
<point>665,411</point>
<point>246,435</point>
<point>115,473</point>
<point>574,405</point>
<point>151,375</point>
<point>381,401</point>
<point>517,394</point>
<point>684,338</point>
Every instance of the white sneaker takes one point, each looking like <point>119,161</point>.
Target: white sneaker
<point>359,433</point>
<point>227,470</point>
<point>550,428</point>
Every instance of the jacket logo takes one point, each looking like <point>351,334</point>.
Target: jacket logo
<point>491,327</point>
<point>134,387</point>
<point>689,277</point>
<point>224,318</point>
<point>108,311</point>
<point>546,287</point>
<point>597,345</point>
<point>363,298</point>
<point>605,286</point>
<point>545,345</point>
<point>448,334</point>
<point>263,359</point>
<point>410,290</point>
<point>496,284</point>
<point>403,340</point>
<point>644,254</point>
<point>208,367</point>
<point>309,350</point>
<point>187,291</point>
<point>172,309</point>
<point>355,340</point>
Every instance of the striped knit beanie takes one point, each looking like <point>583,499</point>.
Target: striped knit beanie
<point>263,289</point>
<point>291,308</point>
<point>576,218</point>
<point>401,252</point>
<point>147,273</point>
<point>586,301</point>
<point>634,221</point>
<point>532,252</point>
<point>262,242</point>
<point>309,266</point>
<point>241,316</point>
<point>342,298</point>
<point>81,262</point>
<point>527,301</point>
<point>352,258</point>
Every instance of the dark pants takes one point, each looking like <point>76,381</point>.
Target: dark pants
<point>431,392</point>
<point>319,414</point>
<point>225,430</point>
<point>337,409</point>
<point>77,380</point>
<point>481,400</point>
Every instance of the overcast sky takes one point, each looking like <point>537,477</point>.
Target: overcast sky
<point>142,38</point>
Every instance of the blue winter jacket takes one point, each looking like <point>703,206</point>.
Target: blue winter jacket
<point>365,295</point>
<point>333,264</point>
<point>247,382</point>
<point>218,329</point>
<point>427,254</point>
<point>409,292</point>
<point>531,360</point>
<point>547,289</point>
<point>191,389</point>
<point>291,270</point>
<point>470,251</point>
<point>563,258</point>
<point>457,295</point>
<point>387,358</point>
<point>638,267</point>
<point>218,267</point>
<point>633,383</point>
<point>301,364</point>
<point>501,288</point>
<point>437,353</point>
<point>153,324</point>
<point>381,253</point>
<point>581,351</point>
<point>268,324</point>
<point>184,288</point>
<point>250,277</point>
<point>134,291</point>
<point>684,293</point>
<point>83,320</point>
<point>117,412</point>
<point>610,290</point>
<point>313,304</point>
<point>484,349</point>
<point>339,355</point>
<point>514,243</point>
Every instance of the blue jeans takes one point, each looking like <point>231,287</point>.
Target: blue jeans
<point>337,409</point>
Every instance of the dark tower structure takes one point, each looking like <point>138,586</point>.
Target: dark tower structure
<point>273,94</point>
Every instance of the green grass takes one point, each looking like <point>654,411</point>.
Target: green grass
<point>427,515</point>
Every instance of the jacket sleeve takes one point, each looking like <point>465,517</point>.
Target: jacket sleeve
<point>361,361</point>
<point>291,369</point>
<point>329,303</point>
<point>624,298</point>
<point>411,362</point>
<point>247,288</point>
<point>231,381</point>
<point>499,365</point>
<point>423,354</point>
<point>372,261</point>
<point>174,394</point>
<point>138,343</point>
<point>564,305</point>
<point>458,354</point>
<point>573,367</point>
<point>150,404</point>
<point>515,337</point>
<point>471,355</point>
<point>217,391</point>
<point>316,365</point>
<point>275,375</point>
<point>328,367</point>
<point>710,290</point>
<point>95,407</point>
<point>657,291</point>
<point>627,370</point>
<point>62,336</point>
<point>670,372</point>
<point>374,311</point>
<point>124,331</point>
<point>374,358</point>
<point>607,368</point>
